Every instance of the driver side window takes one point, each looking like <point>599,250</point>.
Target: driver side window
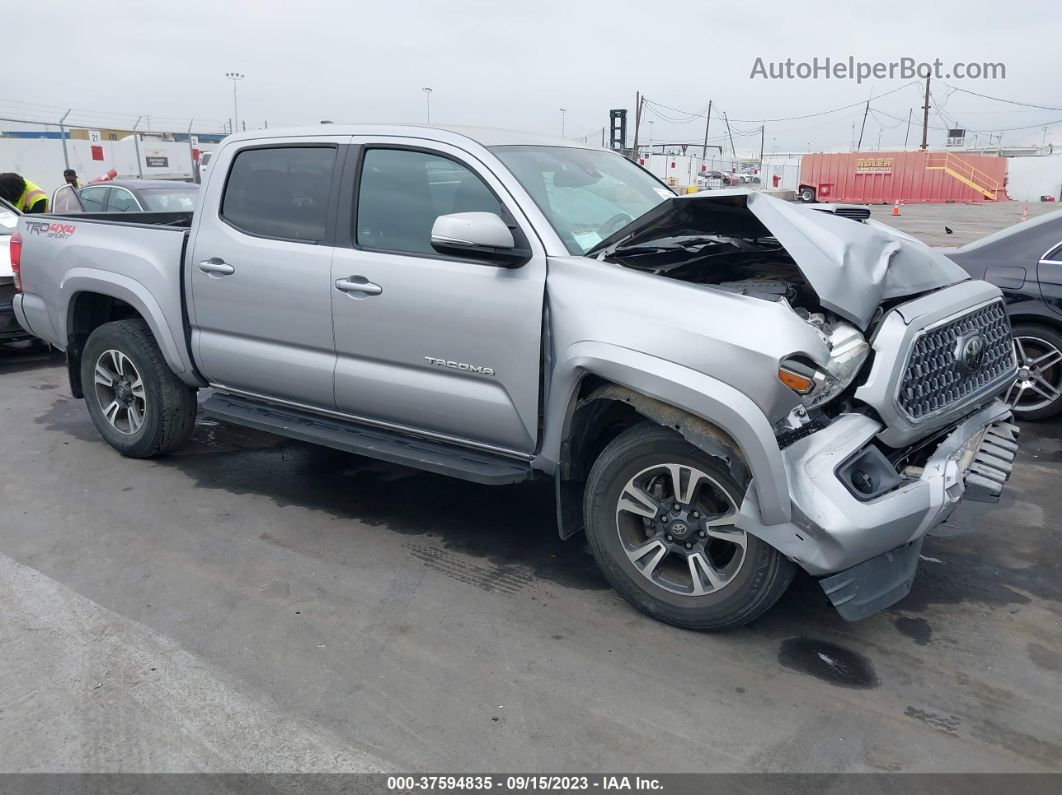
<point>403,191</point>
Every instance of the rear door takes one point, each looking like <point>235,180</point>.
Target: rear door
<point>260,272</point>
<point>446,346</point>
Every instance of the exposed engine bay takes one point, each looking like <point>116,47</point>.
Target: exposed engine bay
<point>757,267</point>
<point>819,261</point>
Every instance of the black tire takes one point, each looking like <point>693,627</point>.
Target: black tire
<point>806,194</point>
<point>1043,338</point>
<point>758,583</point>
<point>168,418</point>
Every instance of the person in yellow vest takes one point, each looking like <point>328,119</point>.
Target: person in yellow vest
<point>26,196</point>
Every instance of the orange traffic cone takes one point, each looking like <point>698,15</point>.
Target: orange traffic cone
<point>1025,213</point>
<point>896,209</point>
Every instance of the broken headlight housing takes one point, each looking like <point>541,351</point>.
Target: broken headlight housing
<point>817,384</point>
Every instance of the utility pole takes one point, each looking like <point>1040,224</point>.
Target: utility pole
<point>191,152</point>
<point>136,145</point>
<point>925,119</point>
<point>862,126</point>
<point>908,135</point>
<point>638,100</point>
<point>761,152</point>
<point>564,112</point>
<point>880,131</point>
<point>728,132</point>
<point>707,120</point>
<point>235,77</point>
<point>66,156</point>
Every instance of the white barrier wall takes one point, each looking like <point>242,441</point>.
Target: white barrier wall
<point>41,159</point>
<point>1028,178</point>
<point>685,168</point>
<point>784,166</point>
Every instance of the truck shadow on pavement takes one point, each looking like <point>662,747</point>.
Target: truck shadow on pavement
<point>1000,555</point>
<point>22,357</point>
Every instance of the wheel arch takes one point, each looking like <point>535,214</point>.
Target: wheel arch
<point>606,389</point>
<point>90,303</point>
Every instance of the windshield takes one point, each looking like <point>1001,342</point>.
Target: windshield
<point>586,194</point>
<point>169,199</point>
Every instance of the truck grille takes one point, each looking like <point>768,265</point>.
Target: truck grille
<point>935,380</point>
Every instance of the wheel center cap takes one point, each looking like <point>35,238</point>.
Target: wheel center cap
<point>1023,374</point>
<point>679,529</point>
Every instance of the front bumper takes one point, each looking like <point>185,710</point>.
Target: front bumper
<point>833,531</point>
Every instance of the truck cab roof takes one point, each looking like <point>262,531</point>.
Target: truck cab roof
<point>485,136</point>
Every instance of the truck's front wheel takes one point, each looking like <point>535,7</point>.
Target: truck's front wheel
<point>660,520</point>
<point>136,402</point>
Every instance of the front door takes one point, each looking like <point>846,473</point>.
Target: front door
<point>442,345</point>
<point>261,310</point>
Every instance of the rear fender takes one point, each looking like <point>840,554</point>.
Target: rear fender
<point>132,292</point>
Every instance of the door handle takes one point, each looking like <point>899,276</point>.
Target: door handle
<point>358,284</point>
<point>216,267</point>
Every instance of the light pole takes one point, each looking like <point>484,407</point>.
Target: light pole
<point>563,111</point>
<point>427,103</point>
<point>235,77</point>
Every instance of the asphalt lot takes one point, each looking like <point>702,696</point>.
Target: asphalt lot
<point>256,604</point>
<point>967,222</point>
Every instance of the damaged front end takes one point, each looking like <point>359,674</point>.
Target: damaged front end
<point>896,415</point>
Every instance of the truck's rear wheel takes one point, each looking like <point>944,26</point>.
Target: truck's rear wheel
<point>660,520</point>
<point>806,194</point>
<point>136,402</point>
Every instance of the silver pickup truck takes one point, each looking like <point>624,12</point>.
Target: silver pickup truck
<point>723,386</point>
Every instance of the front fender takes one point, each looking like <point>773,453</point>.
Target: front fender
<point>115,285</point>
<point>678,386</point>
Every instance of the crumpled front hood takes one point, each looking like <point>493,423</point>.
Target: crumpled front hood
<point>853,267</point>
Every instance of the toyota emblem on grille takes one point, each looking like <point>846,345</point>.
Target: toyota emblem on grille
<point>970,352</point>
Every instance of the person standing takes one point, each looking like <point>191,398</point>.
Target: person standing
<point>70,176</point>
<point>25,196</point>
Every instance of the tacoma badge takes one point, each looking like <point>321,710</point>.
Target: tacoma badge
<point>467,368</point>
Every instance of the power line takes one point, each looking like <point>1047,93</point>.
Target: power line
<point>804,116</point>
<point>1000,99</point>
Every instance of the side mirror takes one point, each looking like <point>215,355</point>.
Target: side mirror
<point>482,236</point>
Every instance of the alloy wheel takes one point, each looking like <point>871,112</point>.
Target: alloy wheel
<point>120,392</point>
<point>1039,381</point>
<point>676,525</point>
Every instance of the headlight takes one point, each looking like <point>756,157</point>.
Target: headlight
<point>818,384</point>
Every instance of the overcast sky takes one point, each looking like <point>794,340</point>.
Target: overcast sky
<point>515,64</point>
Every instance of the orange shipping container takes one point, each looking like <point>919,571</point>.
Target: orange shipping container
<point>909,177</point>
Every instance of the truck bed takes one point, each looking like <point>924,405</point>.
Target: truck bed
<point>135,258</point>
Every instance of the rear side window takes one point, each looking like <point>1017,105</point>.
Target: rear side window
<point>280,192</point>
<point>122,201</point>
<point>402,193</point>
<point>92,199</point>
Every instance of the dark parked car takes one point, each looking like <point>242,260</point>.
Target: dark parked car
<point>1025,261</point>
<point>127,196</point>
